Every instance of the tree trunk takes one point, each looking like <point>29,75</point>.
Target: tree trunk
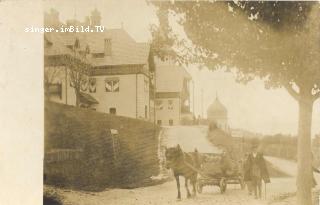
<point>77,97</point>
<point>304,178</point>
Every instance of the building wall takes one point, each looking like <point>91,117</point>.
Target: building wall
<point>132,99</point>
<point>165,114</point>
<point>221,123</point>
<point>123,100</point>
<point>143,110</point>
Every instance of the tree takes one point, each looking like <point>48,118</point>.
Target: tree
<point>78,69</point>
<point>50,75</point>
<point>278,42</point>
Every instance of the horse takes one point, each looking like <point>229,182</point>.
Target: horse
<point>183,164</point>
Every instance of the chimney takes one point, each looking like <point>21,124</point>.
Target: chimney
<point>52,18</point>
<point>95,18</point>
<point>87,21</point>
<point>107,47</point>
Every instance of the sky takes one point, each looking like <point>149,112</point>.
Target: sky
<point>250,106</point>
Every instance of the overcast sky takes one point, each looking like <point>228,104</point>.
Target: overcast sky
<point>250,106</point>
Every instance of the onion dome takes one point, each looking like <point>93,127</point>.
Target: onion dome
<point>217,110</point>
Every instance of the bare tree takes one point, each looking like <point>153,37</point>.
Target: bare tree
<point>50,75</point>
<point>78,69</point>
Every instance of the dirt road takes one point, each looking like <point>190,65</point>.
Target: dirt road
<point>158,195</point>
<point>166,193</point>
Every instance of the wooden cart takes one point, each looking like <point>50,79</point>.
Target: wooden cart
<point>210,174</point>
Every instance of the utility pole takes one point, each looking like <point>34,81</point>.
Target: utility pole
<point>193,102</point>
<point>202,103</point>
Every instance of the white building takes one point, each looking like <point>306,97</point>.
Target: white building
<point>172,93</point>
<point>119,81</point>
<point>123,78</point>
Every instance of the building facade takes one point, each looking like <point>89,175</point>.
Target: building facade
<point>119,78</point>
<point>172,93</point>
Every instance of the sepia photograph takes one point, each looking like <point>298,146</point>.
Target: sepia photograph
<point>152,102</point>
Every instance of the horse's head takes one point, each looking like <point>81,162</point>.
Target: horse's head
<point>173,155</point>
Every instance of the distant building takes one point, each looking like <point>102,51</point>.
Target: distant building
<point>172,93</point>
<point>217,113</point>
<point>121,69</point>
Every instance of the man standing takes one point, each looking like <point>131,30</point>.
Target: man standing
<point>257,170</point>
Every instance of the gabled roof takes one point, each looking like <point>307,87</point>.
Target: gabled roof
<point>124,49</point>
<point>86,98</point>
<point>170,77</point>
<point>54,48</point>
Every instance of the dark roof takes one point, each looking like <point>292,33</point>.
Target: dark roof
<point>124,49</point>
<point>86,98</point>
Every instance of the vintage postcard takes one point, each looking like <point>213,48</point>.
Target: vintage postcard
<point>180,102</point>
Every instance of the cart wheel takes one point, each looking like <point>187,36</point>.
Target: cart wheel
<point>223,185</point>
<point>199,188</point>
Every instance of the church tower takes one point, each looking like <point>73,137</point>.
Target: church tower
<point>217,113</point>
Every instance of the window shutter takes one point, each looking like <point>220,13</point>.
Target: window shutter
<point>109,86</point>
<point>116,86</point>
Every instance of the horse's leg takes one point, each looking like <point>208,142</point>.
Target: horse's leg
<point>187,188</point>
<point>178,186</point>
<point>194,182</point>
<point>254,186</point>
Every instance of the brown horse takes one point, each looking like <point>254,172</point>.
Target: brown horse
<point>183,164</point>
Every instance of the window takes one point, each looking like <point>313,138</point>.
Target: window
<point>72,83</point>
<point>159,122</point>
<point>98,55</point>
<point>159,105</point>
<point>55,89</point>
<point>84,86</point>
<point>112,84</point>
<point>170,122</point>
<point>107,46</point>
<point>113,110</point>
<point>170,104</point>
<point>92,85</point>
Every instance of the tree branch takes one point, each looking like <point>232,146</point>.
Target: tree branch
<point>292,92</point>
<point>316,91</point>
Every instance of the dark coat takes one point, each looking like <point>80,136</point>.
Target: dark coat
<point>252,164</point>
